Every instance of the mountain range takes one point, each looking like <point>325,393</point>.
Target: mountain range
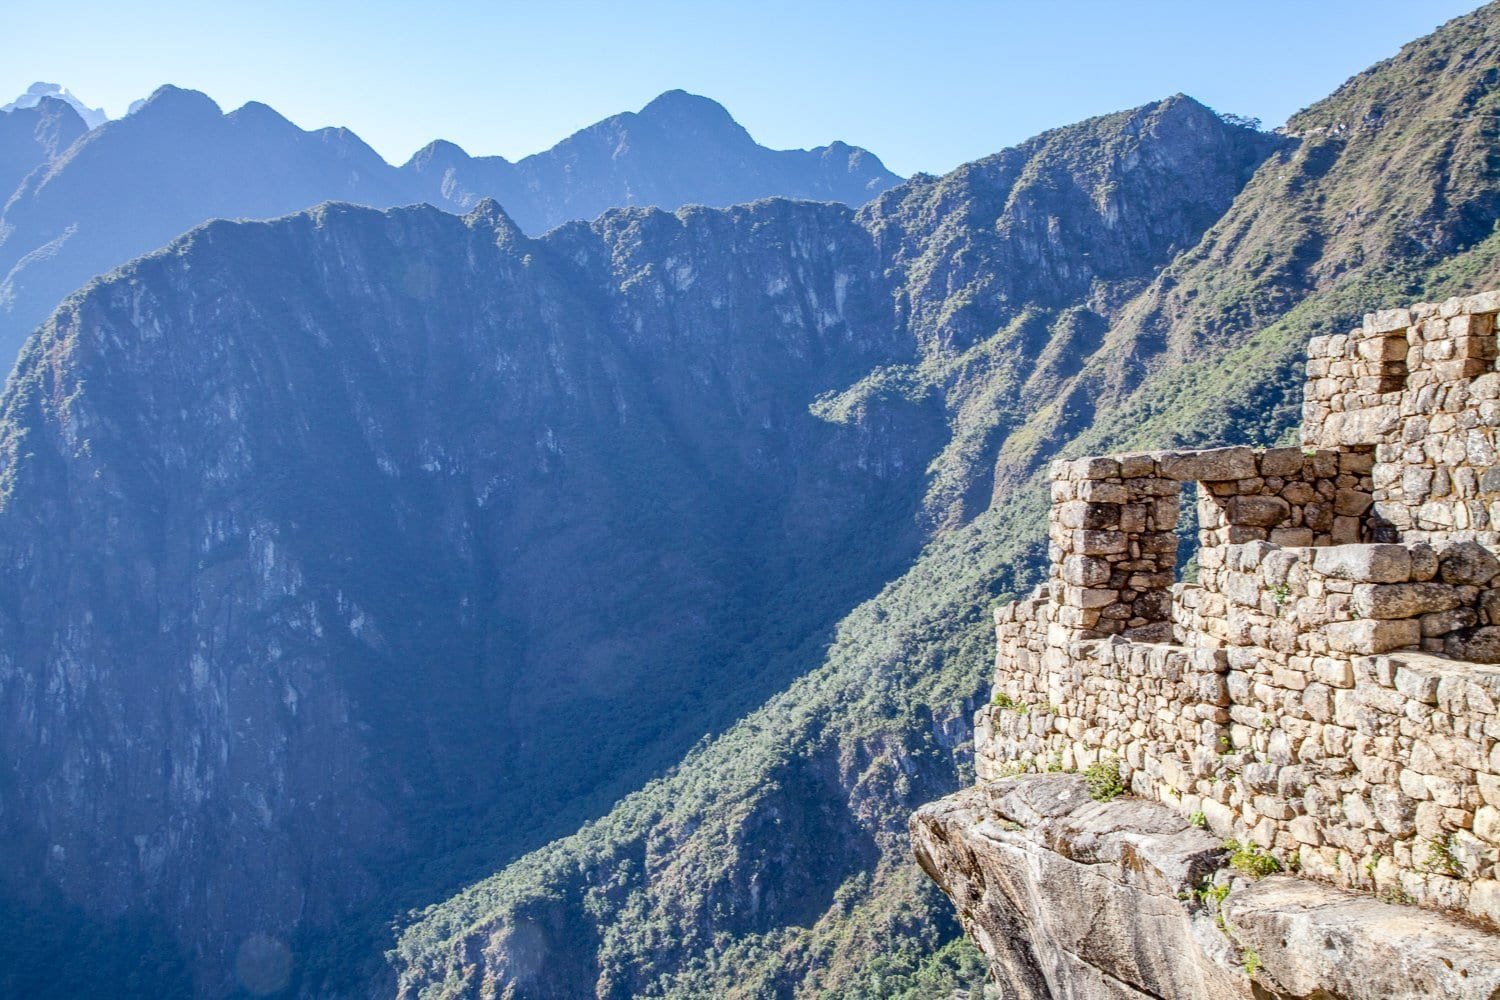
<point>38,92</point>
<point>406,603</point>
<point>75,210</point>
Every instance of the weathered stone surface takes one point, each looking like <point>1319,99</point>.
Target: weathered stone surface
<point>1404,600</point>
<point>1077,900</point>
<point>1216,464</point>
<point>1467,563</point>
<point>1365,563</point>
<point>1316,941</point>
<point>1373,636</point>
<point>1480,645</point>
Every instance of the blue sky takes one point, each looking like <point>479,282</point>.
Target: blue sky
<point>925,85</point>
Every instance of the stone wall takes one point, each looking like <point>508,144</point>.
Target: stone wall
<point>1420,386</point>
<point>1325,689</point>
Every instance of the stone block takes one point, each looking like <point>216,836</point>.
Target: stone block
<point>1487,824</point>
<point>1283,462</point>
<point>1259,512</point>
<point>1099,492</point>
<point>1403,600</point>
<point>1368,637</point>
<point>1214,465</point>
<point>1093,516</point>
<point>1094,467</point>
<point>1467,563</point>
<point>1373,563</point>
<point>1100,543</point>
<point>1480,645</point>
<point>1085,571</point>
<point>1386,321</point>
<point>1419,685</point>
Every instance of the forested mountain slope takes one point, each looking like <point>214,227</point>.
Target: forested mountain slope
<point>1384,193</point>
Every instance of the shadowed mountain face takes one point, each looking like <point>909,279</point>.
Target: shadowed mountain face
<point>33,137</point>
<point>356,553</point>
<point>134,184</point>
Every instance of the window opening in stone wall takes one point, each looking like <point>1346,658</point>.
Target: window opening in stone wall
<point>1187,534</point>
<point>1474,344</point>
<point>1393,371</point>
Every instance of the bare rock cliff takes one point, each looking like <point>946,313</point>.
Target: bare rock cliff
<point>1073,899</point>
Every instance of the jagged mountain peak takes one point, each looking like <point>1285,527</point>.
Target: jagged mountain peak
<point>35,136</point>
<point>172,101</point>
<point>437,154</point>
<point>92,117</point>
<point>675,107</point>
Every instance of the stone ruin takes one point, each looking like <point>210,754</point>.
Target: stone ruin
<point>1326,688</point>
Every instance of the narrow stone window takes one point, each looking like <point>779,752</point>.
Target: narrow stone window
<point>1187,534</point>
<point>1391,351</point>
<point>1474,344</point>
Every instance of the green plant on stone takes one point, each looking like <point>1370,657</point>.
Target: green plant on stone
<point>1003,700</point>
<point>1280,594</point>
<point>1251,961</point>
<point>1102,779</point>
<point>1198,819</point>
<point>1396,896</point>
<point>1249,859</point>
<point>1442,858</point>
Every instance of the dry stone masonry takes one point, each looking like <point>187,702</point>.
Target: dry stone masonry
<point>1327,688</point>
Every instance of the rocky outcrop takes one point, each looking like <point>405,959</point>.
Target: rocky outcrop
<point>1074,899</point>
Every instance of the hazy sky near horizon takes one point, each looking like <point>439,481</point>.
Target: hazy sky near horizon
<point>926,87</point>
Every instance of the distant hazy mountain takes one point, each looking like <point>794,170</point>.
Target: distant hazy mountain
<point>131,185</point>
<point>33,136</point>
<point>678,143</point>
<point>37,92</point>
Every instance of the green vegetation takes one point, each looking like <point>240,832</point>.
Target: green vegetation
<point>1249,859</point>
<point>1103,780</point>
<point>1198,819</point>
<point>955,966</point>
<point>1442,857</point>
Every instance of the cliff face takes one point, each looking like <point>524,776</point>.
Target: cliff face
<point>1073,899</point>
<point>363,512</point>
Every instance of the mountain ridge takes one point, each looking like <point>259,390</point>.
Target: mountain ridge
<point>133,184</point>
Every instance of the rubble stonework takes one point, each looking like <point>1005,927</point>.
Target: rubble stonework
<point>1326,688</point>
